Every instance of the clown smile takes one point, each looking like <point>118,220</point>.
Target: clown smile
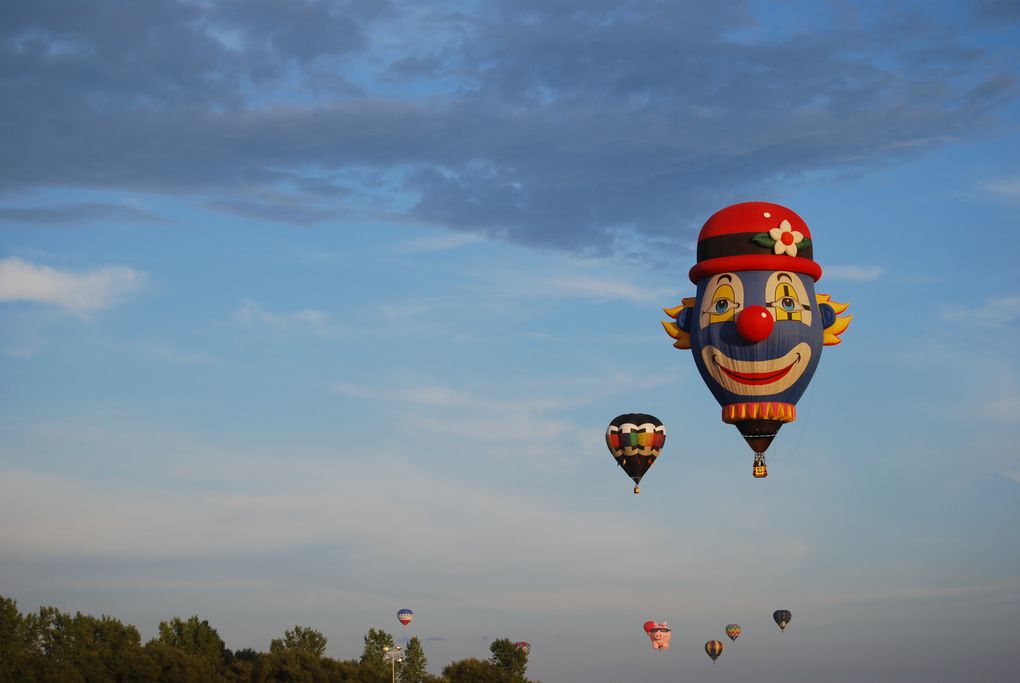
<point>757,378</point>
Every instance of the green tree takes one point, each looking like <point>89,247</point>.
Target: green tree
<point>195,638</point>
<point>374,667</point>
<point>86,648</point>
<point>413,670</point>
<point>510,658</point>
<point>20,656</point>
<point>300,638</point>
<point>295,666</point>
<point>474,671</point>
<point>174,665</point>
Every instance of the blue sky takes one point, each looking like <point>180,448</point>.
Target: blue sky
<point>313,311</point>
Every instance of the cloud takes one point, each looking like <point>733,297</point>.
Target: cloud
<point>79,293</point>
<point>994,313</point>
<point>252,314</point>
<point>854,273</point>
<point>78,213</point>
<point>445,242</point>
<point>1006,188</point>
<point>1006,407</point>
<point>291,506</point>
<point>577,127</point>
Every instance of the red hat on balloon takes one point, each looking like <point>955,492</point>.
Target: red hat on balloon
<point>755,236</point>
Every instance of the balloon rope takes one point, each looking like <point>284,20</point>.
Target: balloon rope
<point>804,422</point>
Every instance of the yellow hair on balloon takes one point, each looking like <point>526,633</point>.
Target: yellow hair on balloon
<point>683,338</point>
<point>833,331</point>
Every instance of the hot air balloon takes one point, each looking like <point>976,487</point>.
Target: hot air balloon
<point>635,440</point>
<point>782,618</point>
<point>659,633</point>
<point>405,616</point>
<point>523,645</point>
<point>714,648</point>
<point>733,630</point>
<point>755,326</point>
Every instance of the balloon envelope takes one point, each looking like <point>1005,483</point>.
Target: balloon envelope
<point>659,634</point>
<point>635,441</point>
<point>714,648</point>
<point>405,616</point>
<point>733,630</point>
<point>523,645</point>
<point>782,618</point>
<point>756,326</point>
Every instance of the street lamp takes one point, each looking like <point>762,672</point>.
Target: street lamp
<point>393,655</point>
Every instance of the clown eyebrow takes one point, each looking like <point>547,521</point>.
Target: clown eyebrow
<point>786,275</point>
<point>727,277</point>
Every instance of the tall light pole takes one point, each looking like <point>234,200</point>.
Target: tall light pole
<point>393,655</point>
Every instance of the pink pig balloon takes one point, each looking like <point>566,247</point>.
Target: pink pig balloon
<point>659,633</point>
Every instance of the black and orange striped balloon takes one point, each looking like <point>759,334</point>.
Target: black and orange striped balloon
<point>714,648</point>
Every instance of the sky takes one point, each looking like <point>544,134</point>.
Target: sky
<point>312,311</point>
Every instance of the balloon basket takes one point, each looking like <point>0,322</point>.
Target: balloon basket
<point>760,471</point>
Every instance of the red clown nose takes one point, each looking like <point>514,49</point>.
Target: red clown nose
<point>755,324</point>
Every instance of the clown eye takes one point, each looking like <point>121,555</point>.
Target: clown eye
<point>722,300</point>
<point>788,304</point>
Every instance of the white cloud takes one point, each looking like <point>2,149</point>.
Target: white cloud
<point>1006,187</point>
<point>1007,407</point>
<point>318,321</point>
<point>995,312</point>
<point>79,293</point>
<point>358,508</point>
<point>445,242</point>
<point>854,273</point>
<point>592,287</point>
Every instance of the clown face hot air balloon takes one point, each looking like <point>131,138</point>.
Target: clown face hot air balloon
<point>714,648</point>
<point>660,634</point>
<point>756,326</point>
<point>782,618</point>
<point>405,616</point>
<point>635,440</point>
<point>733,630</point>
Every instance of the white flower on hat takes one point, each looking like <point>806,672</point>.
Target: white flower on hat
<point>786,238</point>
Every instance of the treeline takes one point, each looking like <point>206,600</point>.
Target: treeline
<point>51,646</point>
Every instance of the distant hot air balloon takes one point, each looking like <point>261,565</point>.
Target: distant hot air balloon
<point>659,633</point>
<point>782,618</point>
<point>635,440</point>
<point>523,645</point>
<point>733,630</point>
<point>405,616</point>
<point>756,326</point>
<point>714,648</point>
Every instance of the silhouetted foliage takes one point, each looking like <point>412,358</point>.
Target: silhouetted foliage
<point>54,647</point>
<point>512,659</point>
<point>300,638</point>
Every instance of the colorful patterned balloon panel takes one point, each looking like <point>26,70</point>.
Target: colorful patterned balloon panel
<point>782,618</point>
<point>635,441</point>
<point>714,648</point>
<point>405,616</point>
<point>733,630</point>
